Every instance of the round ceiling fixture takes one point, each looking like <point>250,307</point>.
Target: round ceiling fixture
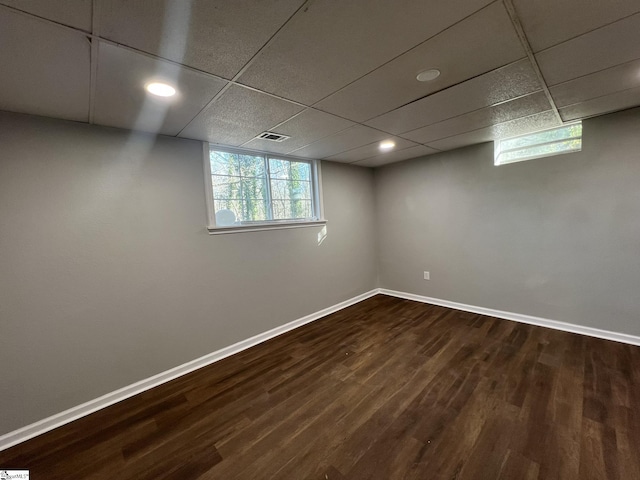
<point>387,145</point>
<point>160,89</point>
<point>428,75</point>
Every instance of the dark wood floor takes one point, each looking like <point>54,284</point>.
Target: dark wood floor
<point>385,389</point>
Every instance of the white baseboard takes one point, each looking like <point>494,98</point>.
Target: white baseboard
<point>18,436</point>
<point>25,433</point>
<point>518,317</point>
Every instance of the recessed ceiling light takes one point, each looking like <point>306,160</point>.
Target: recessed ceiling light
<point>387,145</point>
<point>160,89</point>
<point>428,75</point>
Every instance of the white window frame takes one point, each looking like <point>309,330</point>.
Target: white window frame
<point>316,183</point>
<point>497,149</point>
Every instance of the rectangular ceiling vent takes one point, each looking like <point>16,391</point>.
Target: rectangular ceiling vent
<point>272,137</point>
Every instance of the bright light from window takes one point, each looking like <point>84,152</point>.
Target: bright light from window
<point>322,234</point>
<point>250,188</point>
<point>545,143</point>
<point>160,89</point>
<point>387,145</point>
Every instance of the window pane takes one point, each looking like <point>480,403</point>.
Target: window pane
<point>221,182</point>
<point>290,190</point>
<point>301,171</point>
<point>255,210</point>
<point>278,168</point>
<point>291,209</point>
<point>239,186</point>
<point>223,163</point>
<point>540,150</point>
<point>289,170</point>
<point>251,166</point>
<point>223,207</point>
<point>252,210</point>
<point>245,190</point>
<point>566,132</point>
<point>565,139</point>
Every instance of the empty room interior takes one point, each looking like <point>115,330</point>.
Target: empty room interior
<point>322,239</point>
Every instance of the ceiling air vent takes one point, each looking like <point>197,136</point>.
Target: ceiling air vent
<point>272,137</point>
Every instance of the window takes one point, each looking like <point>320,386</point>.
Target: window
<point>565,139</point>
<point>253,191</point>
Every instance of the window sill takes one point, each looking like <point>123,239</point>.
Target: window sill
<point>264,226</point>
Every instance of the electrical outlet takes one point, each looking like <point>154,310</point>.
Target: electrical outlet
<point>427,276</point>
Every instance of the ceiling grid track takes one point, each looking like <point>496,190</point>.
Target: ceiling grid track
<point>45,20</point>
<point>515,20</point>
<point>303,7</point>
<point>95,39</point>
<point>497,104</point>
<point>234,80</point>
<point>532,115</point>
<point>401,54</point>
<point>581,71</point>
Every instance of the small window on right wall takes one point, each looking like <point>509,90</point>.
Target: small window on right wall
<point>544,143</point>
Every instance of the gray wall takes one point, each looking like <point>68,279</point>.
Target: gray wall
<point>108,276</point>
<point>557,237</point>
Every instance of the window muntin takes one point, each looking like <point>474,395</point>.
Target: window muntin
<point>251,189</point>
<point>545,143</point>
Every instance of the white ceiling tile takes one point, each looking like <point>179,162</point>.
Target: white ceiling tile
<point>121,100</point>
<point>218,37</point>
<point>549,22</point>
<point>371,150</point>
<point>74,13</point>
<point>239,115</point>
<point>499,85</point>
<point>520,126</point>
<point>606,47</point>
<point>348,139</point>
<point>604,82</point>
<point>357,59</point>
<point>45,68</point>
<point>333,42</point>
<point>304,128</point>
<point>606,104</point>
<point>396,156</point>
<point>463,51</point>
<point>463,140</point>
<point>484,117</point>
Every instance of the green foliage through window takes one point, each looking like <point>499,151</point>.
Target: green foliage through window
<point>255,188</point>
<point>565,139</point>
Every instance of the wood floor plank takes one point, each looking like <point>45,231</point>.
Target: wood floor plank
<point>387,388</point>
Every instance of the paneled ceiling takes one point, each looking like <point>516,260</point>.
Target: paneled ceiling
<point>336,76</point>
